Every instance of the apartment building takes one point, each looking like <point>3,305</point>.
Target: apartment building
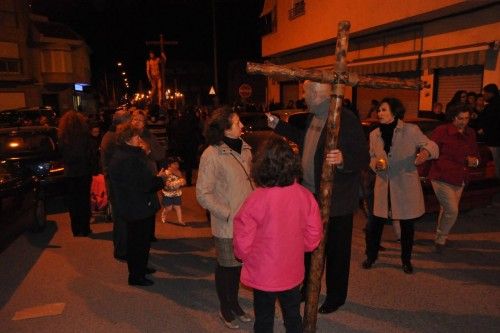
<point>42,63</point>
<point>451,44</point>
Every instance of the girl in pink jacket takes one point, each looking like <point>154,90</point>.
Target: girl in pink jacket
<point>276,224</point>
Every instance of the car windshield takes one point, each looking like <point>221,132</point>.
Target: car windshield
<point>18,118</point>
<point>254,122</point>
<point>26,144</point>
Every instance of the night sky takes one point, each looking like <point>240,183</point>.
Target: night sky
<point>116,30</point>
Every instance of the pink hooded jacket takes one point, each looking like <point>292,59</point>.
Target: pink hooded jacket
<point>272,230</point>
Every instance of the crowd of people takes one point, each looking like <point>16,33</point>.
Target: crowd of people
<point>263,207</point>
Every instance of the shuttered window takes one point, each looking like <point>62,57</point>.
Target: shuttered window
<point>452,79</point>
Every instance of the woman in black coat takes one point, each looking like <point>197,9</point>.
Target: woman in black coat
<point>79,157</point>
<point>134,187</point>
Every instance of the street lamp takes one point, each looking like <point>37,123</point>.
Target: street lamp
<point>119,64</point>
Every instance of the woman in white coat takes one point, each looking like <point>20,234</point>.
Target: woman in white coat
<point>223,184</point>
<point>396,149</point>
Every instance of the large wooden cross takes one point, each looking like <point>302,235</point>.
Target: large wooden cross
<point>339,77</point>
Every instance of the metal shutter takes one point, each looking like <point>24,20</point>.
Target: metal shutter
<point>450,81</point>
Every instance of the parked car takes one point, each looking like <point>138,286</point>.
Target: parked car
<point>22,206</point>
<point>27,117</point>
<point>34,150</point>
<point>478,192</point>
<point>256,131</point>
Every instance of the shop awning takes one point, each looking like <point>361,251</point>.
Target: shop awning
<point>385,65</point>
<point>451,58</point>
<point>455,58</point>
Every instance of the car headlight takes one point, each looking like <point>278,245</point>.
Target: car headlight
<point>42,169</point>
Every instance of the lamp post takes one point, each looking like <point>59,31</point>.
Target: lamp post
<point>214,37</point>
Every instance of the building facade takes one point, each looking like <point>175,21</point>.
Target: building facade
<point>450,44</point>
<point>42,63</point>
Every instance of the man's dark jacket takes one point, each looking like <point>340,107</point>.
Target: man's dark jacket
<point>134,185</point>
<point>489,121</point>
<point>352,144</point>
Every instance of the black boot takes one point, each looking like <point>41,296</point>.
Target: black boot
<point>407,235</point>
<point>233,295</point>
<point>222,286</point>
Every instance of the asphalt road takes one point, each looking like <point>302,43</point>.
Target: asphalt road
<point>457,291</point>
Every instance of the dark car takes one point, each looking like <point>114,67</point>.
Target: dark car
<point>22,206</point>
<point>34,150</point>
<point>28,117</point>
<point>478,192</point>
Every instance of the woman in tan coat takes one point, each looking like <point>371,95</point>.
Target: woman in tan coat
<point>396,149</point>
<point>223,184</point>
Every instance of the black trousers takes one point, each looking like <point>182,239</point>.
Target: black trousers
<point>264,307</point>
<point>374,231</point>
<point>119,226</point>
<point>338,259</point>
<point>119,236</point>
<point>78,202</point>
<point>138,245</point>
<point>227,285</point>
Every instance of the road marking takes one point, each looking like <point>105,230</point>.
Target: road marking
<point>46,310</point>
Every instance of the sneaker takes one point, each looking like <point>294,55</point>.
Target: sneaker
<point>243,317</point>
<point>229,324</point>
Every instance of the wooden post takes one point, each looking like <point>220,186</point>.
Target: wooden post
<point>328,172</point>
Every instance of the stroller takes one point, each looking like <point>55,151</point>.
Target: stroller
<point>99,203</point>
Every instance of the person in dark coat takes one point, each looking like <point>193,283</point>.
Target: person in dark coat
<point>154,151</point>
<point>489,123</point>
<point>108,146</point>
<point>134,189</point>
<point>188,141</point>
<point>78,158</point>
<point>350,158</point>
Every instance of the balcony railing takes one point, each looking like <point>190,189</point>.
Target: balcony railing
<point>299,9</point>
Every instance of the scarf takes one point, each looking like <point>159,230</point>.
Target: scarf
<point>387,131</point>
<point>234,144</point>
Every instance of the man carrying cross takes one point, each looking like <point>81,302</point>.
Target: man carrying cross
<point>350,158</point>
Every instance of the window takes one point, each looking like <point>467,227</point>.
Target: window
<point>298,9</point>
<point>11,66</point>
<point>8,19</point>
<point>268,22</point>
<point>56,61</point>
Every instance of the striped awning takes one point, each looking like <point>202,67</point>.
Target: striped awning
<point>454,60</point>
<point>403,63</point>
<point>429,60</point>
<point>385,67</point>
